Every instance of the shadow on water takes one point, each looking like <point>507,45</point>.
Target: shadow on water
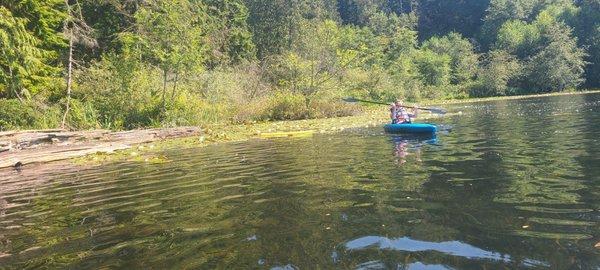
<point>514,185</point>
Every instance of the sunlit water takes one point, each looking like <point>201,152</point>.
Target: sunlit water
<point>506,185</point>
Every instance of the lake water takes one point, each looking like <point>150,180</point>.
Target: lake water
<point>507,185</point>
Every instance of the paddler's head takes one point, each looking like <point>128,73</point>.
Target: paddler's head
<point>398,102</point>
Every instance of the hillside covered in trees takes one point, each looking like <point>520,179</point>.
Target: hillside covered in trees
<point>123,64</point>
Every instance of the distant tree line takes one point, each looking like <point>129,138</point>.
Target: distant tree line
<point>123,64</point>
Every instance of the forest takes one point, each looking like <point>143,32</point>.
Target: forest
<point>126,64</point>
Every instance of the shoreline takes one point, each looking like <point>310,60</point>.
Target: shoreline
<point>100,151</point>
<point>485,99</point>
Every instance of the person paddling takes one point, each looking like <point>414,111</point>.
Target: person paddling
<point>400,115</point>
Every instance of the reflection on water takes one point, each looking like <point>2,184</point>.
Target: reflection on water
<point>454,248</point>
<point>407,145</point>
<point>515,185</point>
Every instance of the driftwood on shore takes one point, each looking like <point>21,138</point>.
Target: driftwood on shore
<point>18,148</point>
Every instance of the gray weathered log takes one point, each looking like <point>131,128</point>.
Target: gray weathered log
<point>27,147</point>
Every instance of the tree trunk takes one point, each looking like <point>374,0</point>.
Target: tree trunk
<point>174,87</point>
<point>312,76</point>
<point>164,91</point>
<point>69,79</point>
<point>13,86</point>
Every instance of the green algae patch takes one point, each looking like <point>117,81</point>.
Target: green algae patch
<point>144,153</point>
<point>99,158</point>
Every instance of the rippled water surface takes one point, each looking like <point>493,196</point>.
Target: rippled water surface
<point>508,185</point>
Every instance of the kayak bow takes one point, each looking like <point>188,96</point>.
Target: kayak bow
<point>420,128</point>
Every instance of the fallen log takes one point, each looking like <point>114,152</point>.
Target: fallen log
<point>27,147</point>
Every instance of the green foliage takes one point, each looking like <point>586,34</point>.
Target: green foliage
<point>518,38</point>
<point>318,60</point>
<point>234,85</point>
<point>588,31</point>
<point>272,22</point>
<point>187,62</point>
<point>374,84</point>
<point>285,105</point>
<point>434,69</point>
<point>560,65</point>
<point>593,68</point>
<point>83,115</point>
<point>44,20</point>
<point>464,60</point>
<point>360,47</point>
<point>499,70</point>
<point>15,114</point>
<point>229,36</point>
<point>171,34</point>
<point>108,18</point>
<point>502,11</point>
<point>190,110</point>
<point>440,17</point>
<point>402,44</point>
<point>123,93</point>
<point>276,23</point>
<point>24,64</point>
<point>552,59</point>
<point>359,12</point>
<point>388,24</point>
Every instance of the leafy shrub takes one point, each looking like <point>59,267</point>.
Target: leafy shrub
<point>238,84</point>
<point>192,110</point>
<point>123,93</point>
<point>30,114</point>
<point>255,110</point>
<point>287,106</point>
<point>375,84</point>
<point>82,115</point>
<point>14,115</point>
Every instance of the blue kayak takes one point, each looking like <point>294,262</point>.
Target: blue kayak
<point>410,128</point>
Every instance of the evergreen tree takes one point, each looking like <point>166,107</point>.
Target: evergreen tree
<point>108,18</point>
<point>44,19</point>
<point>229,36</point>
<point>28,64</point>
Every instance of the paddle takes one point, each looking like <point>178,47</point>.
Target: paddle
<point>433,110</point>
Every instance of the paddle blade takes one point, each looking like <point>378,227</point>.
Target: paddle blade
<point>350,99</point>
